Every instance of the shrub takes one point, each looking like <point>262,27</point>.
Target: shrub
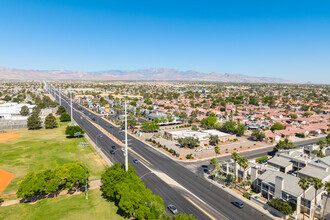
<point>189,156</point>
<point>247,195</point>
<point>282,206</point>
<point>65,117</point>
<point>261,159</point>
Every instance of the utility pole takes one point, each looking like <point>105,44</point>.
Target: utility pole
<point>126,152</point>
<point>59,94</point>
<point>71,108</point>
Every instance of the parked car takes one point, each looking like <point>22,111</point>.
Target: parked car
<point>238,204</point>
<point>209,148</point>
<point>206,171</point>
<point>135,161</point>
<point>172,208</point>
<point>123,149</point>
<point>112,152</point>
<point>113,147</point>
<point>198,150</point>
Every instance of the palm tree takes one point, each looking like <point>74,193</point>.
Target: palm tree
<point>304,185</point>
<point>321,144</point>
<point>317,184</point>
<point>327,188</point>
<point>243,162</point>
<point>217,150</point>
<point>213,162</point>
<point>235,157</point>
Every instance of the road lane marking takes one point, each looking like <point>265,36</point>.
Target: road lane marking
<point>197,206</point>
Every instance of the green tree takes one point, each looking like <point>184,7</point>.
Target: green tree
<point>170,117</point>
<point>217,150</point>
<point>240,129</point>
<point>60,110</point>
<point>194,128</point>
<point>327,188</point>
<point>34,122</point>
<point>277,126</point>
<point>317,184</point>
<point>322,144</point>
<point>258,134</point>
<point>150,126</point>
<point>130,193</point>
<point>36,110</point>
<point>214,162</point>
<point>304,185</point>
<point>229,126</point>
<point>209,122</point>
<point>24,110</point>
<point>244,163</point>
<point>284,145</point>
<point>293,116</point>
<point>183,116</point>
<point>214,140</point>
<point>133,103</point>
<point>50,121</point>
<point>190,142</point>
<point>65,117</point>
<point>71,130</point>
<point>235,157</point>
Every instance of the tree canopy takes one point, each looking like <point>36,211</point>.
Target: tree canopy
<point>65,117</point>
<point>24,110</point>
<point>50,121</point>
<point>71,130</point>
<point>129,192</point>
<point>284,145</point>
<point>34,122</point>
<point>150,126</point>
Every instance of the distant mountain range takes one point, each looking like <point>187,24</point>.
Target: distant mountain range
<point>158,74</point>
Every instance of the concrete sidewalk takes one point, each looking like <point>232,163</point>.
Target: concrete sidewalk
<point>92,185</point>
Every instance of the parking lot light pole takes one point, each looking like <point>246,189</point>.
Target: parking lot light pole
<point>84,144</point>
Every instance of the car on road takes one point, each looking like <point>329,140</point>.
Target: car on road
<point>172,208</point>
<point>112,152</point>
<point>198,150</point>
<point>135,161</point>
<point>206,171</point>
<point>239,204</point>
<point>113,147</point>
<point>123,149</point>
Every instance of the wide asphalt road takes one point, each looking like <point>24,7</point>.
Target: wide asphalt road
<point>212,200</point>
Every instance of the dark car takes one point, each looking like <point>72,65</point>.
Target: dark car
<point>172,208</point>
<point>113,147</point>
<point>206,171</point>
<point>112,152</point>
<point>238,204</point>
<point>135,161</point>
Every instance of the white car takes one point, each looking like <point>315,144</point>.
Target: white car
<point>198,150</point>
<point>209,148</point>
<point>123,149</point>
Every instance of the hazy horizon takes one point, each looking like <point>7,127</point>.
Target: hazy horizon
<point>282,39</point>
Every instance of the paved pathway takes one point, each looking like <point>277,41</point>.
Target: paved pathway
<point>92,185</point>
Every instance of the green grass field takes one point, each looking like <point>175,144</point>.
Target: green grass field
<point>38,150</point>
<point>64,207</point>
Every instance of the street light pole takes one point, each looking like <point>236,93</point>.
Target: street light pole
<point>126,153</point>
<point>71,108</point>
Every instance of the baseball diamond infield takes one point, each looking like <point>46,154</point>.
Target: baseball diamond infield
<point>8,136</point>
<point>5,178</point>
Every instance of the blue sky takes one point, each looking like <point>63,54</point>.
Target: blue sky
<point>286,39</point>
